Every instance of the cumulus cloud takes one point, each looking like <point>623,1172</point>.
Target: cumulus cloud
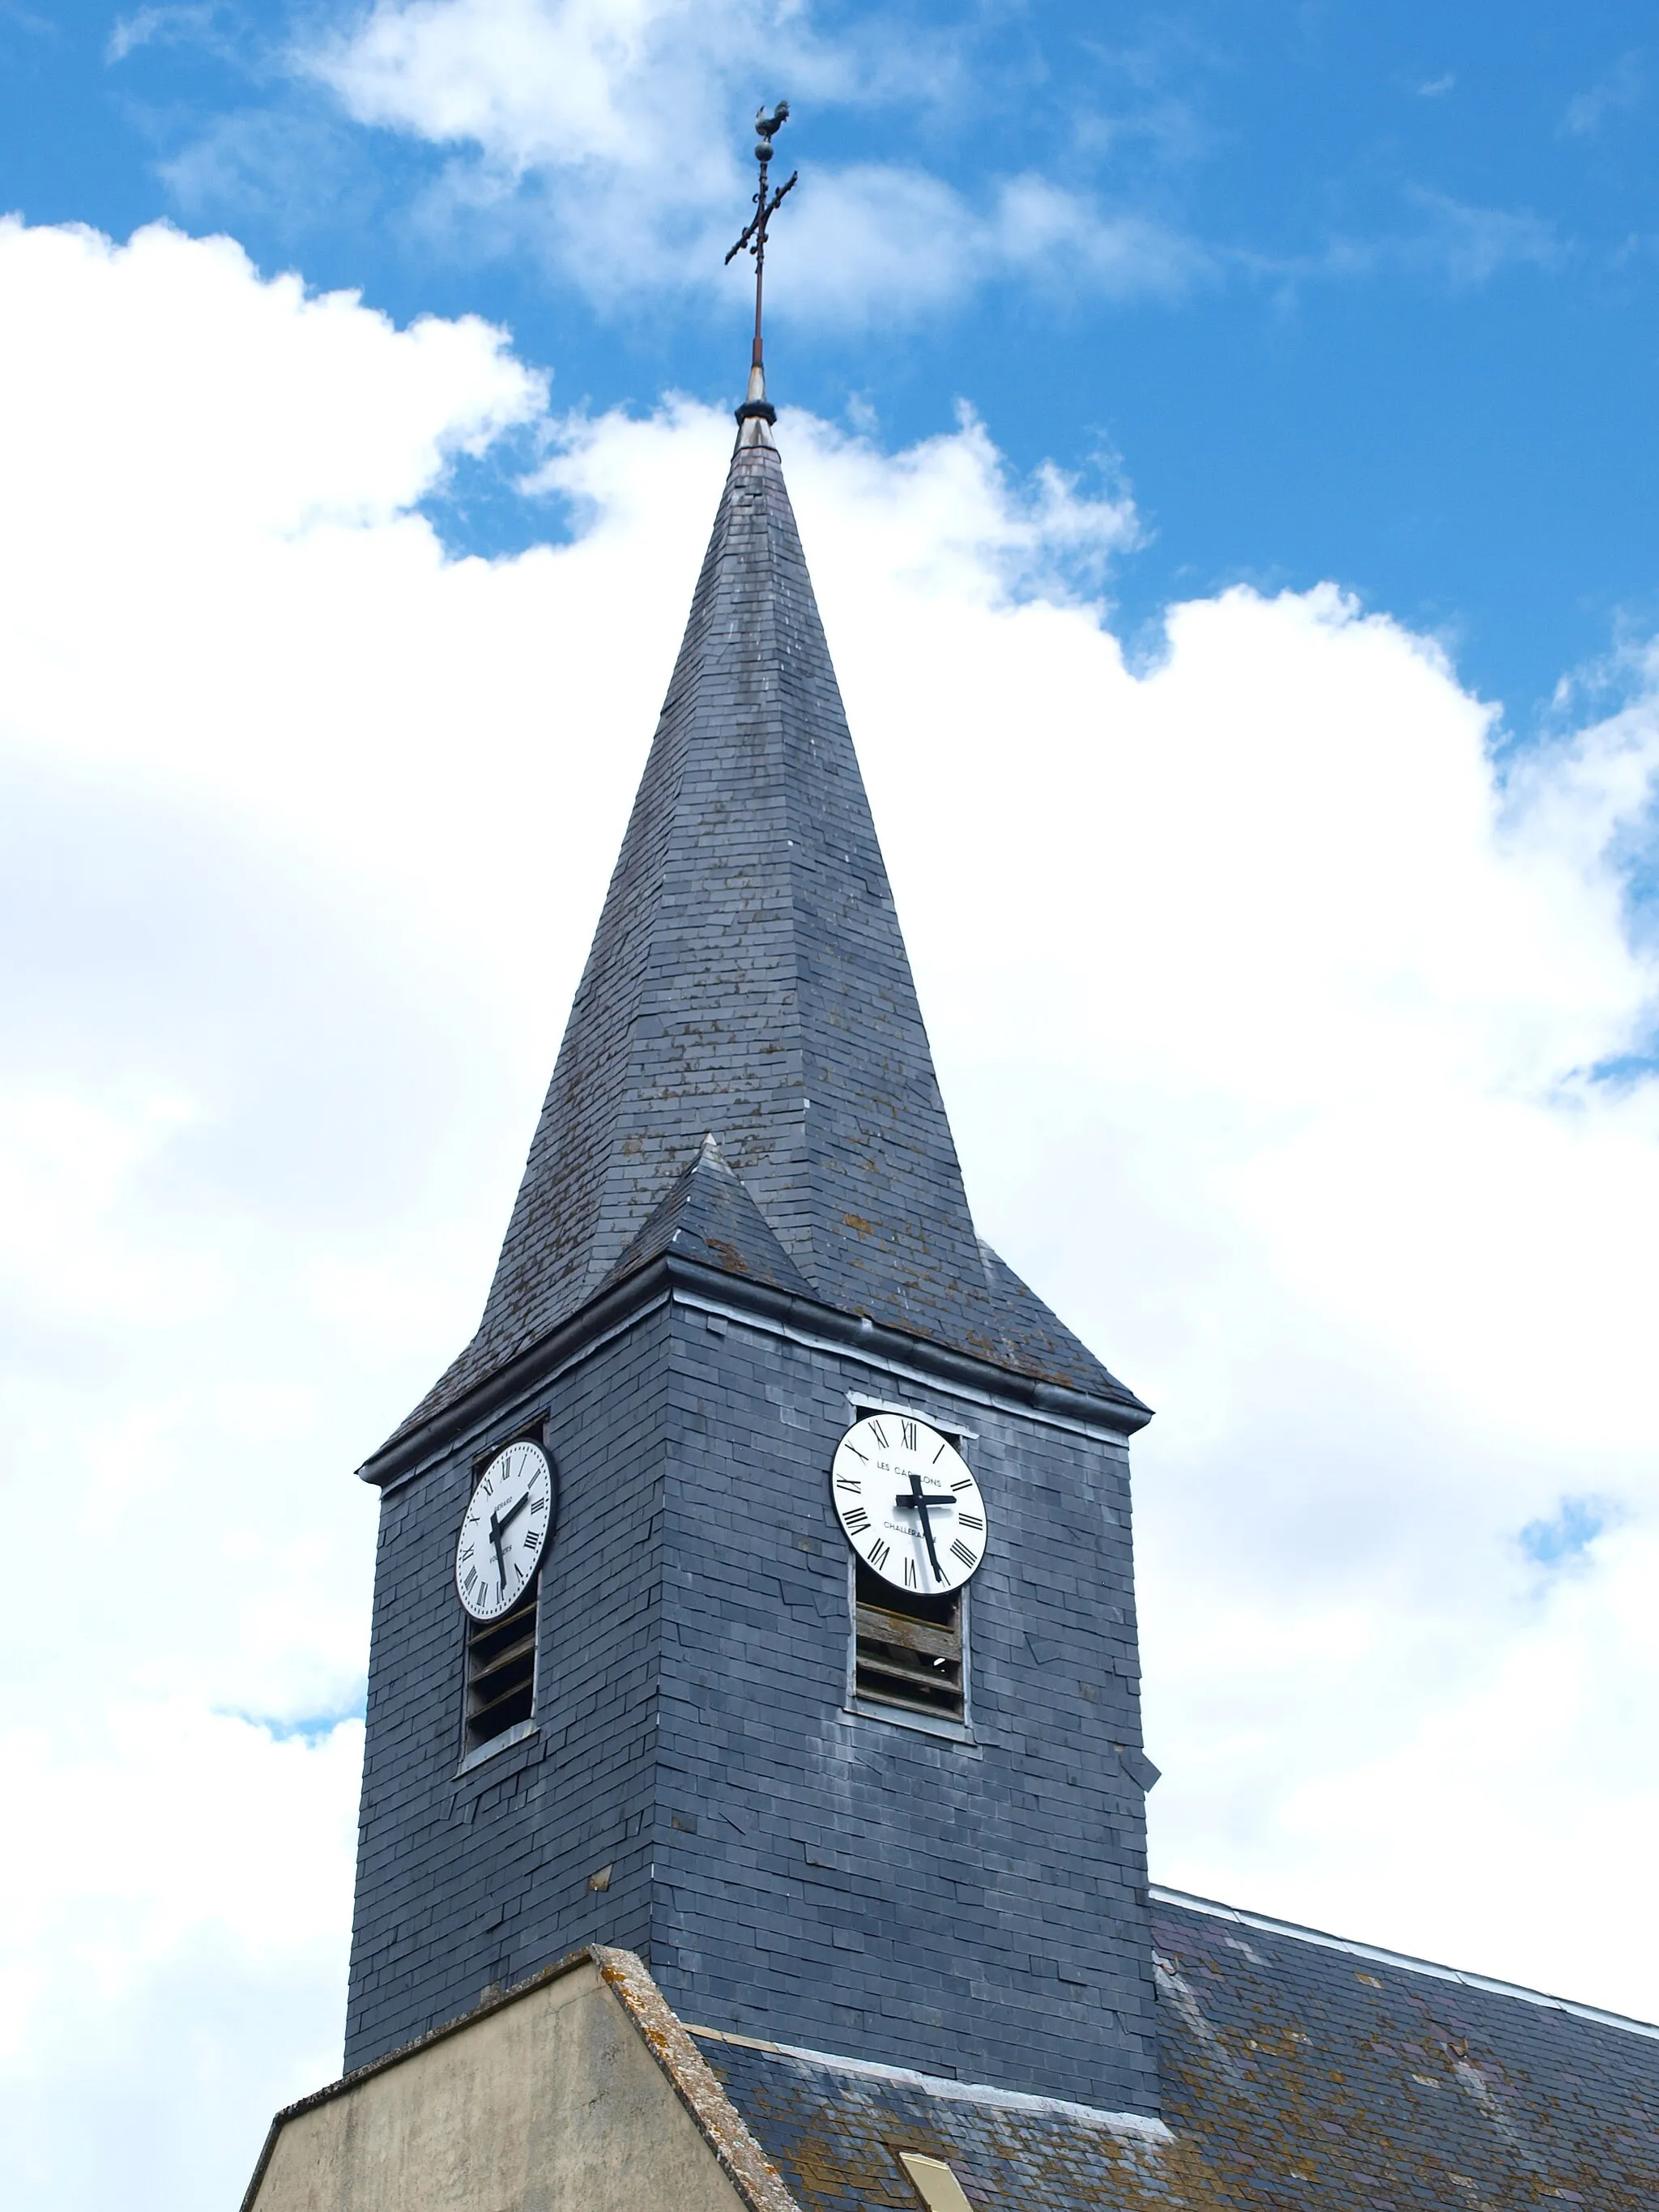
<point>1268,1009</point>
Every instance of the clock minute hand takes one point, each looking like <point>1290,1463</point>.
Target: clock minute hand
<point>924,1505</point>
<point>499,1520</point>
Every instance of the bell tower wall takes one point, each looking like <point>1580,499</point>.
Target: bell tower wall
<point>698,1782</point>
<point>476,1869</point>
<point>967,1901</point>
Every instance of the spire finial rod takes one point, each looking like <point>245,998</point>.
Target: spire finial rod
<point>756,409</point>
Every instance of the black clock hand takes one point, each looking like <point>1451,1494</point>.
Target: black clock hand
<point>499,1520</point>
<point>923,1505</point>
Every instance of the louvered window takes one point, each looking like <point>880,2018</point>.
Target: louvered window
<point>907,1649</point>
<point>501,1671</point>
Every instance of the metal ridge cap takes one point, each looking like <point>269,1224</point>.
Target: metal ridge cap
<point>1379,1956</point>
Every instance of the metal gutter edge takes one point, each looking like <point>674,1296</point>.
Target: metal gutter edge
<point>619,1307</point>
<point>1378,1956</point>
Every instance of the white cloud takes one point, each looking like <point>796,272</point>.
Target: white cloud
<point>1620,92</point>
<point>1264,1010</point>
<point>1469,245</point>
<point>611,138</point>
<point>161,26</point>
<point>1451,242</point>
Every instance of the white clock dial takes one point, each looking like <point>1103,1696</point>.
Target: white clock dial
<point>505,1531</point>
<point>908,1504</point>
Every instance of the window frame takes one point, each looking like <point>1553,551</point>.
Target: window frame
<point>533,1431</point>
<point>952,1729</point>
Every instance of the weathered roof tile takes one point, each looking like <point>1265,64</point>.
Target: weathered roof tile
<point>748,977</point>
<point>1296,2072</point>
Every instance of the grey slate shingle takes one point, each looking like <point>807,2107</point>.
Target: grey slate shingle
<point>748,978</point>
<point>708,1216</point>
<point>1295,2074</point>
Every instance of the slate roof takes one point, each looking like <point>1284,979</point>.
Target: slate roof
<point>1297,2071</point>
<point>709,1217</point>
<point>748,979</point>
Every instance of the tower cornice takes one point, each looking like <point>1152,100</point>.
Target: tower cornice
<point>670,1276</point>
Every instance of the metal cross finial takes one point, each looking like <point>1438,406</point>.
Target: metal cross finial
<point>755,407</point>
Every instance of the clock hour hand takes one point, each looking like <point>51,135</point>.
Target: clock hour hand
<point>924,1505</point>
<point>498,1521</point>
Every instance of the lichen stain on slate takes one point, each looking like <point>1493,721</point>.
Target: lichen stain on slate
<point>1290,2079</point>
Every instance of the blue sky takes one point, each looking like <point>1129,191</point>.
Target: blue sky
<point>1385,314</point>
<point>1293,1014</point>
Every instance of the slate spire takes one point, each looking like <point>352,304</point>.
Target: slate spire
<point>748,980</point>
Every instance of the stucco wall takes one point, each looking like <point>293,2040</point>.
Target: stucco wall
<point>552,2103</point>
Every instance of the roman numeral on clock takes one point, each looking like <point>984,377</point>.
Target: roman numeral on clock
<point>907,1433</point>
<point>878,1552</point>
<point>855,1520</point>
<point>879,1434</point>
<point>961,1551</point>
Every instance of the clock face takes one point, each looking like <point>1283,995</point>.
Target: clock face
<point>505,1531</point>
<point>908,1504</point>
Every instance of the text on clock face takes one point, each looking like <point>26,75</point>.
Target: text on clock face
<point>505,1531</point>
<point>907,1504</point>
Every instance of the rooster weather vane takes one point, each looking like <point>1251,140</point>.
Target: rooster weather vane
<point>757,408</point>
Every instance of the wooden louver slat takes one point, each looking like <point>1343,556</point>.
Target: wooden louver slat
<point>907,1651</point>
<point>501,1671</point>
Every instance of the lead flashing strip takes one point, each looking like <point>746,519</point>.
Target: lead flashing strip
<point>957,2092</point>
<point>1377,1956</point>
<point>862,1402</point>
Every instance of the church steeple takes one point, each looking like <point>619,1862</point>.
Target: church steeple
<point>671,1651</point>
<point>748,979</point>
